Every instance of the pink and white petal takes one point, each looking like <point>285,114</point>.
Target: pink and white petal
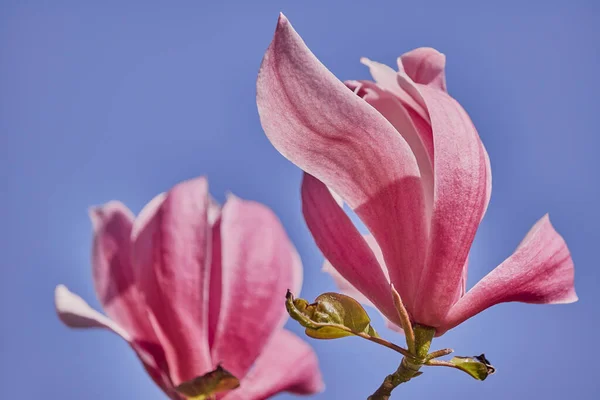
<point>390,80</point>
<point>287,364</point>
<point>258,264</point>
<point>401,85</point>
<point>408,92</point>
<point>540,271</point>
<point>343,246</point>
<point>216,279</point>
<point>172,260</point>
<point>425,66</point>
<point>460,196</point>
<point>112,269</point>
<point>418,140</point>
<point>74,312</point>
<point>300,102</point>
<point>316,122</point>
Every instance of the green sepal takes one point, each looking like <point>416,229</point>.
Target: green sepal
<point>331,316</point>
<point>478,367</point>
<point>206,386</point>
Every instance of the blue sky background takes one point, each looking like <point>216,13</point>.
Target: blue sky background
<point>121,100</point>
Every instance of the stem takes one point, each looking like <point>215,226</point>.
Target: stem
<point>404,320</point>
<point>385,343</point>
<point>440,363</point>
<point>438,353</point>
<point>409,366</point>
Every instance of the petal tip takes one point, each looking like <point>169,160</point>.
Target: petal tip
<point>570,297</point>
<point>199,181</point>
<point>99,213</point>
<point>573,298</point>
<point>229,195</point>
<point>425,65</point>
<point>60,291</point>
<point>366,61</point>
<point>282,20</point>
<point>64,299</point>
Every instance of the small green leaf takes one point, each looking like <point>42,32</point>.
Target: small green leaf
<point>331,316</point>
<point>372,332</point>
<point>205,386</point>
<point>478,367</point>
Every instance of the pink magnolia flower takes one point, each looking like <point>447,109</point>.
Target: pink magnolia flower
<point>190,285</point>
<point>405,156</point>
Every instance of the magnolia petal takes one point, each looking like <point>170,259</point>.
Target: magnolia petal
<point>418,139</point>
<point>301,102</point>
<point>114,278</point>
<point>407,91</point>
<point>460,196</point>
<point>540,271</point>
<point>288,364</point>
<point>343,246</point>
<point>390,80</point>
<point>425,66</point>
<point>332,134</point>
<point>258,265</point>
<point>75,312</point>
<point>171,256</point>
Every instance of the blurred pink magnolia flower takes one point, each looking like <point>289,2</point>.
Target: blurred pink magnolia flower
<point>405,156</point>
<point>190,285</point>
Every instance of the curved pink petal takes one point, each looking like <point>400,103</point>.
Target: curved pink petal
<point>74,312</point>
<point>425,66</point>
<point>258,264</point>
<point>391,81</point>
<point>343,246</point>
<point>403,87</point>
<point>114,278</point>
<point>540,271</point>
<point>316,122</point>
<point>394,111</point>
<point>287,364</point>
<point>171,257</point>
<point>460,198</point>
